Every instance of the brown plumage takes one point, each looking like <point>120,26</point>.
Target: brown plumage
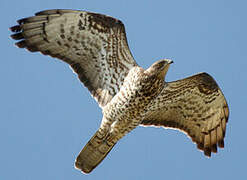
<point>95,46</point>
<point>194,105</point>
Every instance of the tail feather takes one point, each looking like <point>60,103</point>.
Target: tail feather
<point>93,153</point>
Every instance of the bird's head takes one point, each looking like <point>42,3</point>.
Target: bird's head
<point>159,68</point>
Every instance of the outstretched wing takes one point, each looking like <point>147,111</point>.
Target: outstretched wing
<point>194,105</point>
<point>94,45</point>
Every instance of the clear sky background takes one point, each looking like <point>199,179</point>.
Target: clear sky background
<point>47,116</point>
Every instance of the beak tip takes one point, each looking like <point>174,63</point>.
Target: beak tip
<point>170,61</point>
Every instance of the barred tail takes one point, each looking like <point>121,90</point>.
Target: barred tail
<point>93,153</point>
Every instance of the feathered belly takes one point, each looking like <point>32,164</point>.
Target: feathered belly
<point>128,107</point>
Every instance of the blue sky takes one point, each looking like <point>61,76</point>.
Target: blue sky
<point>47,116</point>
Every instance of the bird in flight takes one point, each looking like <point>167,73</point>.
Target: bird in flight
<point>96,48</point>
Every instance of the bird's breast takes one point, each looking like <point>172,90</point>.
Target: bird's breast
<point>134,95</point>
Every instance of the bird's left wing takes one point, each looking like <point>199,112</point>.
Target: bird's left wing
<point>194,105</point>
<point>94,45</point>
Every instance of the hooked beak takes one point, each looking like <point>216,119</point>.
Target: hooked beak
<point>169,61</point>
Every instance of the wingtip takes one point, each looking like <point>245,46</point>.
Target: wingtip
<point>15,28</point>
<point>17,36</point>
<point>21,21</point>
<point>214,148</point>
<point>21,44</point>
<point>207,152</point>
<point>221,144</point>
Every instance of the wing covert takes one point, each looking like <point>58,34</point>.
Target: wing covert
<point>94,45</point>
<point>194,105</point>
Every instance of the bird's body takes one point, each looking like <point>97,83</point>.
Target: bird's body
<point>122,114</point>
<point>96,48</point>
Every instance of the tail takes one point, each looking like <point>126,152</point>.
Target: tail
<point>93,153</point>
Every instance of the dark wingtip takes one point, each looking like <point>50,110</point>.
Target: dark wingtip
<point>20,21</point>
<point>221,144</point>
<point>16,28</point>
<point>21,44</point>
<point>207,152</point>
<point>214,148</point>
<point>17,36</point>
<point>200,146</point>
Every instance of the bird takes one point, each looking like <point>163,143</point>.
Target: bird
<point>96,48</point>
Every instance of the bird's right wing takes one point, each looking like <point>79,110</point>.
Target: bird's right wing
<point>194,105</point>
<point>94,45</point>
